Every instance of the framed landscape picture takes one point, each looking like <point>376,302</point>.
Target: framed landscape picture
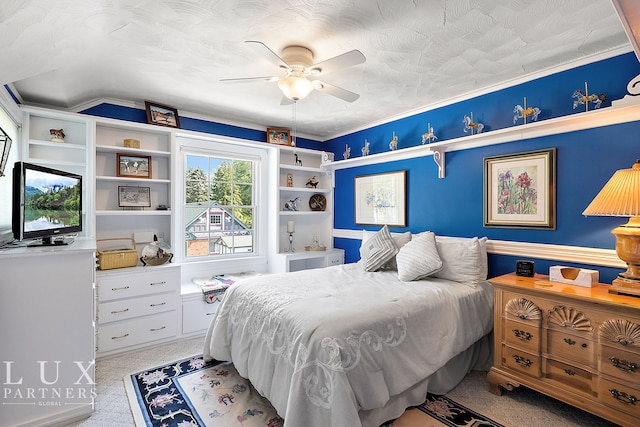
<point>519,190</point>
<point>381,199</point>
<point>162,115</point>
<point>134,197</point>
<point>278,136</point>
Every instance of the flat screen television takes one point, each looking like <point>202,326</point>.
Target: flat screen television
<point>47,204</point>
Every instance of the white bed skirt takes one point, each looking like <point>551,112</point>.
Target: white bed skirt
<point>477,357</point>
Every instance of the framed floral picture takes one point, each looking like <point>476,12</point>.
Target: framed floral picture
<point>381,199</point>
<point>520,191</point>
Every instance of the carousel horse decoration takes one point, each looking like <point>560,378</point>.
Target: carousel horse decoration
<point>393,145</point>
<point>428,136</point>
<point>347,152</point>
<point>470,125</point>
<point>312,182</point>
<point>524,112</point>
<point>365,148</point>
<point>292,205</point>
<point>583,98</point>
<point>298,161</point>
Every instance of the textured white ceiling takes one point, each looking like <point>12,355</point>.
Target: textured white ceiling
<point>69,53</point>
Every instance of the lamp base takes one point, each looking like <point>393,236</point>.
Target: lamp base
<point>623,286</point>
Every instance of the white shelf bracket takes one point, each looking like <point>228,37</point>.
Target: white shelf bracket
<point>438,157</point>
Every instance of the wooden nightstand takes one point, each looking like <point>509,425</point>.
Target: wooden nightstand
<point>578,345</point>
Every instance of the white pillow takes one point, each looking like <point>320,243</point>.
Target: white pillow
<point>419,258</point>
<point>378,250</point>
<point>460,260</point>
<point>482,254</point>
<point>400,239</point>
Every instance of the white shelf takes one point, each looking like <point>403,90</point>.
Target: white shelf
<point>304,190</point>
<point>126,150</point>
<point>292,168</point>
<point>132,180</point>
<point>57,145</point>
<point>304,213</point>
<point>627,112</point>
<point>150,212</point>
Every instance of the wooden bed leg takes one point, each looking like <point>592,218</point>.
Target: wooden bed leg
<point>497,382</point>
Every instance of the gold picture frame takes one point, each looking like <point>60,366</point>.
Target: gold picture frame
<point>520,190</point>
<point>280,136</point>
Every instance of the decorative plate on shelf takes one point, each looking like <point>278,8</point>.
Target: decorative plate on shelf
<point>318,202</point>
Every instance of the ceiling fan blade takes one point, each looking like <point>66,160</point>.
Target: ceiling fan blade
<point>250,79</point>
<point>263,50</point>
<point>348,59</point>
<point>336,91</point>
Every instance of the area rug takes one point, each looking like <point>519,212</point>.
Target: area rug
<point>190,393</point>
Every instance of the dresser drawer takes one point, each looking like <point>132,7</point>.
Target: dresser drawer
<point>141,330</point>
<point>134,307</point>
<point>571,347</point>
<point>521,361</point>
<point>620,397</point>
<point>197,315</point>
<point>621,364</point>
<point>135,284</point>
<point>570,376</point>
<point>522,335</point>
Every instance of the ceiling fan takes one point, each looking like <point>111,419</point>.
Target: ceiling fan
<point>302,75</point>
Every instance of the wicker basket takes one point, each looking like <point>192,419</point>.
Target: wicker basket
<point>117,258</point>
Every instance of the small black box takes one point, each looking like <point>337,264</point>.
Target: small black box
<point>525,268</point>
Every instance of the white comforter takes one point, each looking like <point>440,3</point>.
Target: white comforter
<point>322,345</point>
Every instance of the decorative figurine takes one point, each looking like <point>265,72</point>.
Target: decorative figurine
<point>298,161</point>
<point>312,182</point>
<point>524,112</point>
<point>57,135</point>
<point>393,145</point>
<point>292,205</point>
<point>347,152</point>
<point>470,125</point>
<point>583,98</point>
<point>428,136</point>
<point>289,179</point>
<point>365,149</point>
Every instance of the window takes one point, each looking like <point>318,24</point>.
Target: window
<point>219,210</point>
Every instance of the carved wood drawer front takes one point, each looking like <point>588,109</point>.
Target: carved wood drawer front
<point>570,376</point>
<point>521,361</point>
<point>621,364</point>
<point>522,335</point>
<point>523,310</point>
<point>571,347</point>
<point>621,397</point>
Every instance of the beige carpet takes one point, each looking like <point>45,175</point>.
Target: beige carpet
<point>518,408</point>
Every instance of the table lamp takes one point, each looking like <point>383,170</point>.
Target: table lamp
<point>621,197</point>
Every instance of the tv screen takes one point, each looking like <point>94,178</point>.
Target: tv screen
<point>47,203</point>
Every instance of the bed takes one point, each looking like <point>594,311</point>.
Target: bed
<point>344,346</point>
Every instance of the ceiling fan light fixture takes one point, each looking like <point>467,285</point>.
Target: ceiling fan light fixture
<point>295,87</point>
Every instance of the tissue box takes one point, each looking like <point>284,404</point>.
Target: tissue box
<point>574,276</point>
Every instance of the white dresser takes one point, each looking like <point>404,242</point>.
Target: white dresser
<point>137,306</point>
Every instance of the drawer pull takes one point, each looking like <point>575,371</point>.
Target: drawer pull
<point>157,283</point>
<point>570,372</point>
<point>526,363</point>
<point>120,311</point>
<point>120,289</point>
<point>121,336</point>
<point>627,399</point>
<point>156,305</point>
<point>157,329</point>
<point>569,341</point>
<point>522,335</point>
<point>623,365</point>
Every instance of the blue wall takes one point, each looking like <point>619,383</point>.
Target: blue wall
<point>454,205</point>
<point>197,125</point>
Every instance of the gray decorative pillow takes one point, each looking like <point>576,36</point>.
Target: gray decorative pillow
<point>460,260</point>
<point>419,258</point>
<point>378,250</point>
<point>400,239</point>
